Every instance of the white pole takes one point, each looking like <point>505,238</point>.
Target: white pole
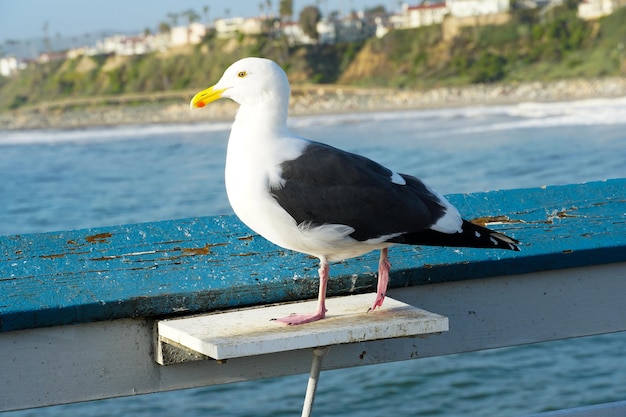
<point>316,367</point>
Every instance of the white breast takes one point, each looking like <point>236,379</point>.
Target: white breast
<point>251,170</point>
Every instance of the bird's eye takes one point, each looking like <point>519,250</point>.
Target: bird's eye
<point>242,74</point>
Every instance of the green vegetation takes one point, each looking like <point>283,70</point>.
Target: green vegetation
<point>309,16</point>
<point>554,46</point>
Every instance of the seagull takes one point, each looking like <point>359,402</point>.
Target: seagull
<point>316,199</point>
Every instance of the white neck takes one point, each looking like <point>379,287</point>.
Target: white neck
<point>266,115</point>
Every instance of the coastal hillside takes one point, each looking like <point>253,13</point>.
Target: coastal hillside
<point>529,47</point>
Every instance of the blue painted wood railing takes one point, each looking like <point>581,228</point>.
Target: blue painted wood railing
<point>169,268</point>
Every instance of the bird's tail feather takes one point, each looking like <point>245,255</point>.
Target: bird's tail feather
<point>471,236</point>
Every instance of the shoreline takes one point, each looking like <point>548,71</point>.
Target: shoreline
<point>313,100</point>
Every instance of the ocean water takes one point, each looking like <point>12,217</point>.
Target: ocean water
<point>68,179</point>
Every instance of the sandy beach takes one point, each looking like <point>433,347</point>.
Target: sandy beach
<point>322,99</point>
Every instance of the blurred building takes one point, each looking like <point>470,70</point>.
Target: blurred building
<point>10,65</point>
<point>424,14</point>
<point>594,9</point>
<point>468,8</point>
<point>187,35</point>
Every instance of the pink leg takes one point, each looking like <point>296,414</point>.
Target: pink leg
<point>383,279</point>
<point>295,319</point>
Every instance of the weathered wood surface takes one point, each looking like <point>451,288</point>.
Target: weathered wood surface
<point>568,281</point>
<point>205,264</point>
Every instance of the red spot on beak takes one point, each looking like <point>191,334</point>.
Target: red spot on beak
<point>200,104</point>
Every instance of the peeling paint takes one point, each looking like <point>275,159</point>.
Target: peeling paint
<point>124,255</point>
<point>245,254</point>
<point>53,256</point>
<point>99,238</point>
<point>490,220</point>
<point>205,250</point>
<point>560,214</point>
<point>144,268</point>
<point>563,213</point>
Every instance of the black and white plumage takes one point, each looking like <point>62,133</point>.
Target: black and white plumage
<point>319,200</point>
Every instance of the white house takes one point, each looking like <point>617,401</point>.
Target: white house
<point>51,56</point>
<point>593,9</point>
<point>253,26</point>
<point>427,14</point>
<point>383,26</point>
<point>295,35</point>
<point>80,51</point>
<point>409,17</point>
<point>467,8</point>
<point>187,35</point>
<point>327,31</point>
<point>228,27</point>
<point>424,14</point>
<point>158,41</point>
<point>10,65</point>
<point>123,45</point>
<point>354,28</point>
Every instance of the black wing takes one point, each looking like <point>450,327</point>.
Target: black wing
<point>326,185</point>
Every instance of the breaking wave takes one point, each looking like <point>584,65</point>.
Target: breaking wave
<point>106,134</point>
<point>448,121</point>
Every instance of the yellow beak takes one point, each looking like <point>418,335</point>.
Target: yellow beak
<point>205,97</point>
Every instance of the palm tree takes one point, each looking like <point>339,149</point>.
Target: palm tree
<point>46,37</point>
<point>268,7</point>
<point>286,9</point>
<point>173,18</point>
<point>164,27</point>
<point>205,12</point>
<point>191,16</point>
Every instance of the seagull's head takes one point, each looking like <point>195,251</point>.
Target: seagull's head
<point>247,80</point>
